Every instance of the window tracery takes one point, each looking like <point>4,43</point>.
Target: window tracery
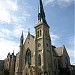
<point>28,57</point>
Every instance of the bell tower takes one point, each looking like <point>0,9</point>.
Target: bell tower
<point>42,44</point>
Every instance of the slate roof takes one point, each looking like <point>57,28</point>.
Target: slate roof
<point>32,36</point>
<point>59,50</point>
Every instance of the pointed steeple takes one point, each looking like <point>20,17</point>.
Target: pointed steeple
<point>29,33</point>
<point>41,13</point>
<point>22,35</point>
<point>13,52</point>
<point>22,38</point>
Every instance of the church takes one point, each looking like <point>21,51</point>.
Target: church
<point>37,55</point>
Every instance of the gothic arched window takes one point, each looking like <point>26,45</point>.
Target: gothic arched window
<point>39,59</point>
<point>37,33</point>
<point>28,57</point>
<point>40,32</point>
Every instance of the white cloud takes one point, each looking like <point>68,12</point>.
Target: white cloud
<point>65,3</point>
<point>5,7</point>
<point>71,53</point>
<point>71,43</point>
<point>5,16</point>
<point>71,48</point>
<point>6,43</point>
<point>8,5</point>
<point>61,3</point>
<point>14,33</point>
<point>12,4</point>
<point>26,14</point>
<point>2,35</point>
<point>48,2</point>
<point>54,38</point>
<point>14,19</point>
<point>7,46</point>
<point>17,31</point>
<point>8,9</point>
<point>5,33</point>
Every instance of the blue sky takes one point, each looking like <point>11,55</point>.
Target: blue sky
<point>20,15</point>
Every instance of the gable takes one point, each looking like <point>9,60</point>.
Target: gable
<point>29,43</point>
<point>29,38</point>
<point>59,50</point>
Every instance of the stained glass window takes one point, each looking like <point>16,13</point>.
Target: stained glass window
<point>28,57</point>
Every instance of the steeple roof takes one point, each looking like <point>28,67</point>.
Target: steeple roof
<point>22,35</point>
<point>22,38</point>
<point>41,13</point>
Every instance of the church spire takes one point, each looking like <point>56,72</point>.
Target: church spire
<point>41,13</point>
<point>22,38</point>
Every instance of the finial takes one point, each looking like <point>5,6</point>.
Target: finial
<point>9,53</point>
<point>22,35</point>
<point>13,51</point>
<point>28,29</point>
<point>29,33</point>
<point>22,38</point>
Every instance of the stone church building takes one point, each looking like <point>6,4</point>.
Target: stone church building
<point>37,56</point>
